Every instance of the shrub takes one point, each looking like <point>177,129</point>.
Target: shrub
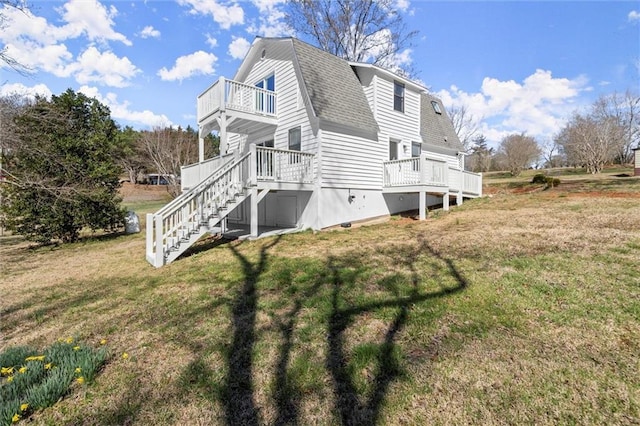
<point>547,181</point>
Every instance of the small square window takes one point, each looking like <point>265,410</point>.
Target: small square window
<point>398,96</point>
<point>436,107</point>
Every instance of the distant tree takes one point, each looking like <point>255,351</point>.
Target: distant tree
<point>551,155</point>
<point>132,156</point>
<point>464,124</point>
<point>590,141</point>
<point>624,111</point>
<point>169,149</point>
<point>481,154</point>
<point>357,30</point>
<point>61,171</point>
<point>20,5</point>
<point>520,152</point>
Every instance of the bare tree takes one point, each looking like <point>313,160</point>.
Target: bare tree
<point>520,152</point>
<point>590,141</point>
<point>20,5</point>
<point>624,109</point>
<point>168,150</point>
<point>551,154</point>
<point>357,30</point>
<point>464,123</point>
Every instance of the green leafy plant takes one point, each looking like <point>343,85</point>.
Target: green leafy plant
<point>32,379</point>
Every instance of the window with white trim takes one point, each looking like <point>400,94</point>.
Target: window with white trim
<point>398,96</point>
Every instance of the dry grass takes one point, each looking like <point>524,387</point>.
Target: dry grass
<point>515,308</point>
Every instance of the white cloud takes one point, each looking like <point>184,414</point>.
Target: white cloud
<point>211,41</point>
<point>270,22</point>
<point>149,32</point>
<point>104,67</point>
<point>239,47</point>
<point>22,90</point>
<point>223,15</point>
<point>402,5</point>
<point>198,63</point>
<point>91,18</point>
<point>121,110</point>
<point>634,15</point>
<point>538,106</point>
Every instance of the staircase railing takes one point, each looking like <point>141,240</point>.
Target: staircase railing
<point>201,206</point>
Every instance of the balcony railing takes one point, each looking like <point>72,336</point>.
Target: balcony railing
<point>233,95</point>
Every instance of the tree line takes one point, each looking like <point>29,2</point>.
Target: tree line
<point>63,160</point>
<point>606,133</point>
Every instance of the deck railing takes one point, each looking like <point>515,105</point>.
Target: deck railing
<point>228,94</point>
<point>280,165</point>
<point>431,172</point>
<point>415,171</point>
<point>193,174</point>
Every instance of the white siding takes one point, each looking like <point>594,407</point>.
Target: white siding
<point>289,110</point>
<point>351,161</point>
<point>452,160</point>
<point>403,126</point>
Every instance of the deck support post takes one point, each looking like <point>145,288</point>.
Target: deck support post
<point>158,242</point>
<point>422,195</point>
<point>445,201</point>
<point>459,199</point>
<point>200,150</point>
<point>254,212</point>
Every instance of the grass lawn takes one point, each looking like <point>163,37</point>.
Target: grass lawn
<point>519,307</point>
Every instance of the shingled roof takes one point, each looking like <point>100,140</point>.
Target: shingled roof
<point>436,128</point>
<point>334,90</point>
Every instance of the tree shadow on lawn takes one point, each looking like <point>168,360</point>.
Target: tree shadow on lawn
<point>338,287</point>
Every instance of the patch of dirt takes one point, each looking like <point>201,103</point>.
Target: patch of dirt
<point>133,193</point>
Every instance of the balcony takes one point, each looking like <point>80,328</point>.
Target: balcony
<point>241,107</point>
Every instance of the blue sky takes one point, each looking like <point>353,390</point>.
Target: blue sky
<point>516,66</point>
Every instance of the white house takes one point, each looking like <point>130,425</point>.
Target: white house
<point>309,140</point>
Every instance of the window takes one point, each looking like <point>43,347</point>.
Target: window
<point>295,139</point>
<point>266,102</point>
<point>398,96</point>
<point>436,107</point>
<point>393,150</point>
<point>415,149</point>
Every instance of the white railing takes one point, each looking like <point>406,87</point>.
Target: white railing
<point>472,183</point>
<point>228,94</point>
<point>280,165</point>
<point>415,171</point>
<point>432,172</point>
<point>193,174</point>
<point>184,216</point>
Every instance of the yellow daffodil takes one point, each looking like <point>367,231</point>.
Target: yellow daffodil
<point>24,407</point>
<point>48,366</point>
<point>78,370</point>
<point>69,340</point>
<point>34,358</point>
<point>76,348</point>
<point>15,418</point>
<point>80,380</point>
<point>125,355</point>
<point>9,379</point>
<point>6,371</point>
<point>103,341</point>
<point>22,370</point>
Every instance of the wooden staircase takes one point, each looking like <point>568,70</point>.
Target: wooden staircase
<point>179,224</point>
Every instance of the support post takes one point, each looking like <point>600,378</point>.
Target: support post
<point>445,201</point>
<point>159,261</point>
<point>200,150</point>
<point>423,204</point>
<point>459,199</point>
<point>254,212</point>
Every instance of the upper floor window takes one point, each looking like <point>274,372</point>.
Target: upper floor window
<point>266,102</point>
<point>416,149</point>
<point>398,96</point>
<point>436,107</point>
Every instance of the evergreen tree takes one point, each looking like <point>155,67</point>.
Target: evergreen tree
<point>62,174</point>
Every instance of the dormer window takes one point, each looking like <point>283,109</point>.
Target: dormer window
<point>436,107</point>
<point>398,96</point>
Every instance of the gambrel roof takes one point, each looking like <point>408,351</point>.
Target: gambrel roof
<point>436,128</point>
<point>333,88</point>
